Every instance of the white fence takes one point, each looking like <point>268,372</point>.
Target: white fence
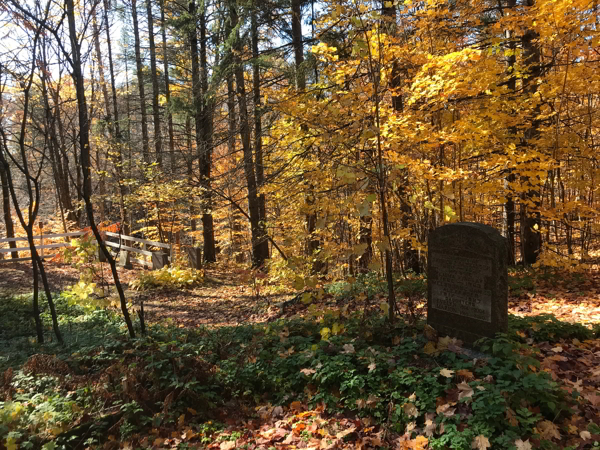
<point>124,240</point>
<point>124,244</point>
<point>40,248</point>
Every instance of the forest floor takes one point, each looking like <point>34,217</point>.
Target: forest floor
<point>273,374</point>
<point>226,299</point>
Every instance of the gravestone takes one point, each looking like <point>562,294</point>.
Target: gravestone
<point>467,281</point>
<point>159,260</point>
<point>125,259</point>
<point>100,254</point>
<point>195,257</point>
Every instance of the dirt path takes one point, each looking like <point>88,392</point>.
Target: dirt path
<point>226,299</point>
<point>223,300</point>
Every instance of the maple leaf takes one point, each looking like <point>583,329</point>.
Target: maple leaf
<point>410,410</point>
<point>345,432</point>
<point>523,445</point>
<point>480,442</point>
<point>308,371</point>
<point>465,391</point>
<point>447,373</point>
<point>429,427</point>
<point>420,443</point>
<point>585,435</point>
<point>547,430</point>
<point>372,400</point>
<point>466,374</point>
<point>348,349</point>
<point>429,348</point>
<point>372,366</point>
<point>227,445</point>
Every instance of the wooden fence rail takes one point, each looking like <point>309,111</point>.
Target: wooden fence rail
<point>157,258</point>
<point>41,247</point>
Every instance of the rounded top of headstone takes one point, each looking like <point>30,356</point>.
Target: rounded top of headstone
<point>468,236</point>
<point>467,227</point>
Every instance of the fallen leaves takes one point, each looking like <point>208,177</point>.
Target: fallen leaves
<point>480,442</point>
<point>447,373</point>
<point>465,391</point>
<point>523,445</point>
<point>547,430</point>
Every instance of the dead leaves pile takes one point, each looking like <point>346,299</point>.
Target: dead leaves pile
<point>297,428</point>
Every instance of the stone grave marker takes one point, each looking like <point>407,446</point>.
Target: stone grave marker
<point>159,260</point>
<point>195,257</point>
<point>467,281</point>
<point>125,259</point>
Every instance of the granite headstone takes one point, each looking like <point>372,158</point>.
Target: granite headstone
<point>195,257</point>
<point>125,259</point>
<point>467,281</point>
<point>159,260</point>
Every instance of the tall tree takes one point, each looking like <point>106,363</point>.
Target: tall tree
<point>84,149</point>
<point>263,244</point>
<point>244,120</point>
<point>169,114</point>
<point>155,92</point>
<point>140,78</point>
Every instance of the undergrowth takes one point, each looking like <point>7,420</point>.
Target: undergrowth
<point>353,365</point>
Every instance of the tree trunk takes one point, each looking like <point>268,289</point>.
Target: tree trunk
<point>140,77</point>
<point>253,203</point>
<point>206,149</point>
<point>258,151</point>
<point>167,86</point>
<point>155,93</point>
<point>8,222</point>
<point>202,129</point>
<point>236,229</point>
<point>117,129</point>
<point>84,147</point>
<point>531,199</point>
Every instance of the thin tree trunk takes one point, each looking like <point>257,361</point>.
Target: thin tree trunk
<point>206,149</point>
<point>155,93</point>
<point>258,151</point>
<point>8,222</point>
<point>530,214</point>
<point>33,192</point>
<point>117,129</point>
<point>167,86</point>
<point>236,229</point>
<point>84,146</point>
<point>140,77</point>
<point>253,204</point>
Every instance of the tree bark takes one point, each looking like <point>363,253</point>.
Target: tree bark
<point>206,149</point>
<point>8,222</point>
<point>202,129</point>
<point>84,147</point>
<point>253,203</point>
<point>167,86</point>
<point>155,92</point>
<point>258,151</point>
<point>140,77</point>
<point>236,229</point>
<point>118,137</point>
<point>531,237</point>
